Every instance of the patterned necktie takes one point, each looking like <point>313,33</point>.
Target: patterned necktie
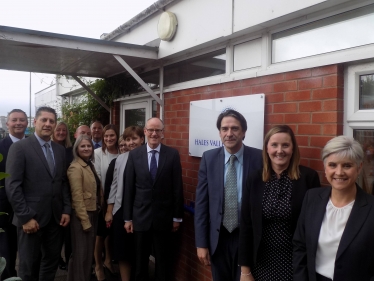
<point>153,166</point>
<point>230,216</point>
<point>48,155</point>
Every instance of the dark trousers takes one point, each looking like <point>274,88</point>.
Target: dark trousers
<point>48,242</point>
<point>224,261</point>
<point>8,250</point>
<point>161,242</point>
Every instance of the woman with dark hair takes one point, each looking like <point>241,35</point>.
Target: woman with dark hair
<point>86,194</point>
<point>123,244</point>
<point>334,235</point>
<point>103,156</point>
<point>271,204</point>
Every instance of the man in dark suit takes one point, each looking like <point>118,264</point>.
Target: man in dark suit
<point>222,175</point>
<point>38,192</point>
<point>17,124</point>
<point>153,206</point>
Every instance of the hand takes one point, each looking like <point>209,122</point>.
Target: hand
<point>175,226</point>
<point>128,226</point>
<point>203,255</point>
<point>108,219</point>
<point>65,219</point>
<point>31,226</point>
<point>247,278</point>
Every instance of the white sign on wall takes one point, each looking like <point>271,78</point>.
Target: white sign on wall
<point>204,134</point>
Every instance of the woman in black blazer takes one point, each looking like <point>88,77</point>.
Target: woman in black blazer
<point>271,204</point>
<point>334,235</point>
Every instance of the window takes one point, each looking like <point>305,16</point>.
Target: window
<point>195,68</point>
<point>367,91</point>
<point>343,31</point>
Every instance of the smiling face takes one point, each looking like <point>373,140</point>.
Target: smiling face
<point>84,150</point>
<point>44,125</point>
<point>60,133</point>
<point>280,150</point>
<point>110,138</point>
<point>17,124</point>
<point>154,132</point>
<point>341,173</point>
<point>231,134</point>
<point>134,141</point>
<point>123,147</point>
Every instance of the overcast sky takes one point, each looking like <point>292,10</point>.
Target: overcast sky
<point>84,18</point>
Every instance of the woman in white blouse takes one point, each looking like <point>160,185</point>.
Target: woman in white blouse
<point>334,235</point>
<point>103,156</point>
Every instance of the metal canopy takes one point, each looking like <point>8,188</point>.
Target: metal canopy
<point>37,51</point>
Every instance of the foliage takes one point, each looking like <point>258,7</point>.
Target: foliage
<point>86,110</point>
<point>2,174</point>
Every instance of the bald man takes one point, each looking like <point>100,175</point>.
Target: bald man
<point>82,130</point>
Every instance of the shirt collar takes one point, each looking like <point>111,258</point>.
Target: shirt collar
<point>157,148</point>
<point>15,139</point>
<point>41,141</point>
<point>239,155</point>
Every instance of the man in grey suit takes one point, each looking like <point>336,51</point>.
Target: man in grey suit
<point>222,174</point>
<point>39,194</point>
<point>17,124</point>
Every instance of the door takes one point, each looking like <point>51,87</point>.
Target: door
<point>137,113</point>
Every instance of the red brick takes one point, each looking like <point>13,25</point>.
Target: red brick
<point>304,162</point>
<point>302,140</point>
<point>187,92</point>
<point>309,129</point>
<point>324,70</point>
<point>251,81</point>
<point>202,89</point>
<point>319,141</point>
<point>310,152</point>
<point>242,91</point>
<point>285,86</point>
<point>171,101</point>
<point>310,83</point>
<point>224,93</point>
<point>266,88</point>
<point>327,117</point>
<point>316,164</point>
<point>300,95</point>
<point>333,129</point>
<point>298,74</point>
<point>182,128</point>
<point>272,78</point>
<point>297,118</point>
<point>274,98</point>
<point>274,118</point>
<point>177,106</point>
<point>174,135</point>
<point>328,93</point>
<point>333,80</point>
<point>268,108</point>
<point>333,105</point>
<point>170,114</point>
<point>185,136</point>
<point>208,95</point>
<point>183,99</point>
<point>183,113</point>
<point>285,107</point>
<point>310,106</point>
<point>232,85</point>
<point>214,87</point>
<point>186,106</point>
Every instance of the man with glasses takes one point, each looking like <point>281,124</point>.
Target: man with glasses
<point>222,174</point>
<point>153,204</point>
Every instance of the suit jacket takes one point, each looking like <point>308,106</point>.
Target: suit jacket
<point>153,204</point>
<point>210,193</point>
<point>31,188</point>
<point>355,255</point>
<point>251,219</point>
<point>4,203</point>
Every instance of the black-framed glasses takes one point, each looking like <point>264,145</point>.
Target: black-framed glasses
<point>157,131</point>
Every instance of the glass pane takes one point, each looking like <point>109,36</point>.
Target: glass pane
<point>366,179</point>
<point>343,31</point>
<point>135,117</point>
<point>367,91</point>
<point>154,108</point>
<point>195,68</point>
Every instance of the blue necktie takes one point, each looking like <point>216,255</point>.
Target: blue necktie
<point>153,166</point>
<point>230,216</point>
<point>97,145</point>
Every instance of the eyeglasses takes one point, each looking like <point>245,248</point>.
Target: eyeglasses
<point>157,131</point>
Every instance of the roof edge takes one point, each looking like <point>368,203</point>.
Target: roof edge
<point>160,4</point>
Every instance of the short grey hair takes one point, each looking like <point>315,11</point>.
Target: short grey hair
<point>344,147</point>
<point>78,142</point>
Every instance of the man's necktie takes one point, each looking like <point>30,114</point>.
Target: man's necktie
<point>230,216</point>
<point>49,157</point>
<point>153,166</point>
<point>96,145</point>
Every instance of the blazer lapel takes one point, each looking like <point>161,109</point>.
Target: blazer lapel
<point>144,159</point>
<point>219,171</point>
<point>357,218</point>
<point>39,151</point>
<point>246,158</point>
<point>161,161</point>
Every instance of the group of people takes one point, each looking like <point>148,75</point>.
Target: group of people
<point>259,215</point>
<point>58,193</point>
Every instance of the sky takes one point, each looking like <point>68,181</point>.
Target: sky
<point>85,18</point>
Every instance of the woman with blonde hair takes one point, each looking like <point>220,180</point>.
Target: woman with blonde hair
<point>271,204</point>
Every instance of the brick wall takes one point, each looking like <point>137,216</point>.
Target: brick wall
<point>115,114</point>
<point>310,101</point>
